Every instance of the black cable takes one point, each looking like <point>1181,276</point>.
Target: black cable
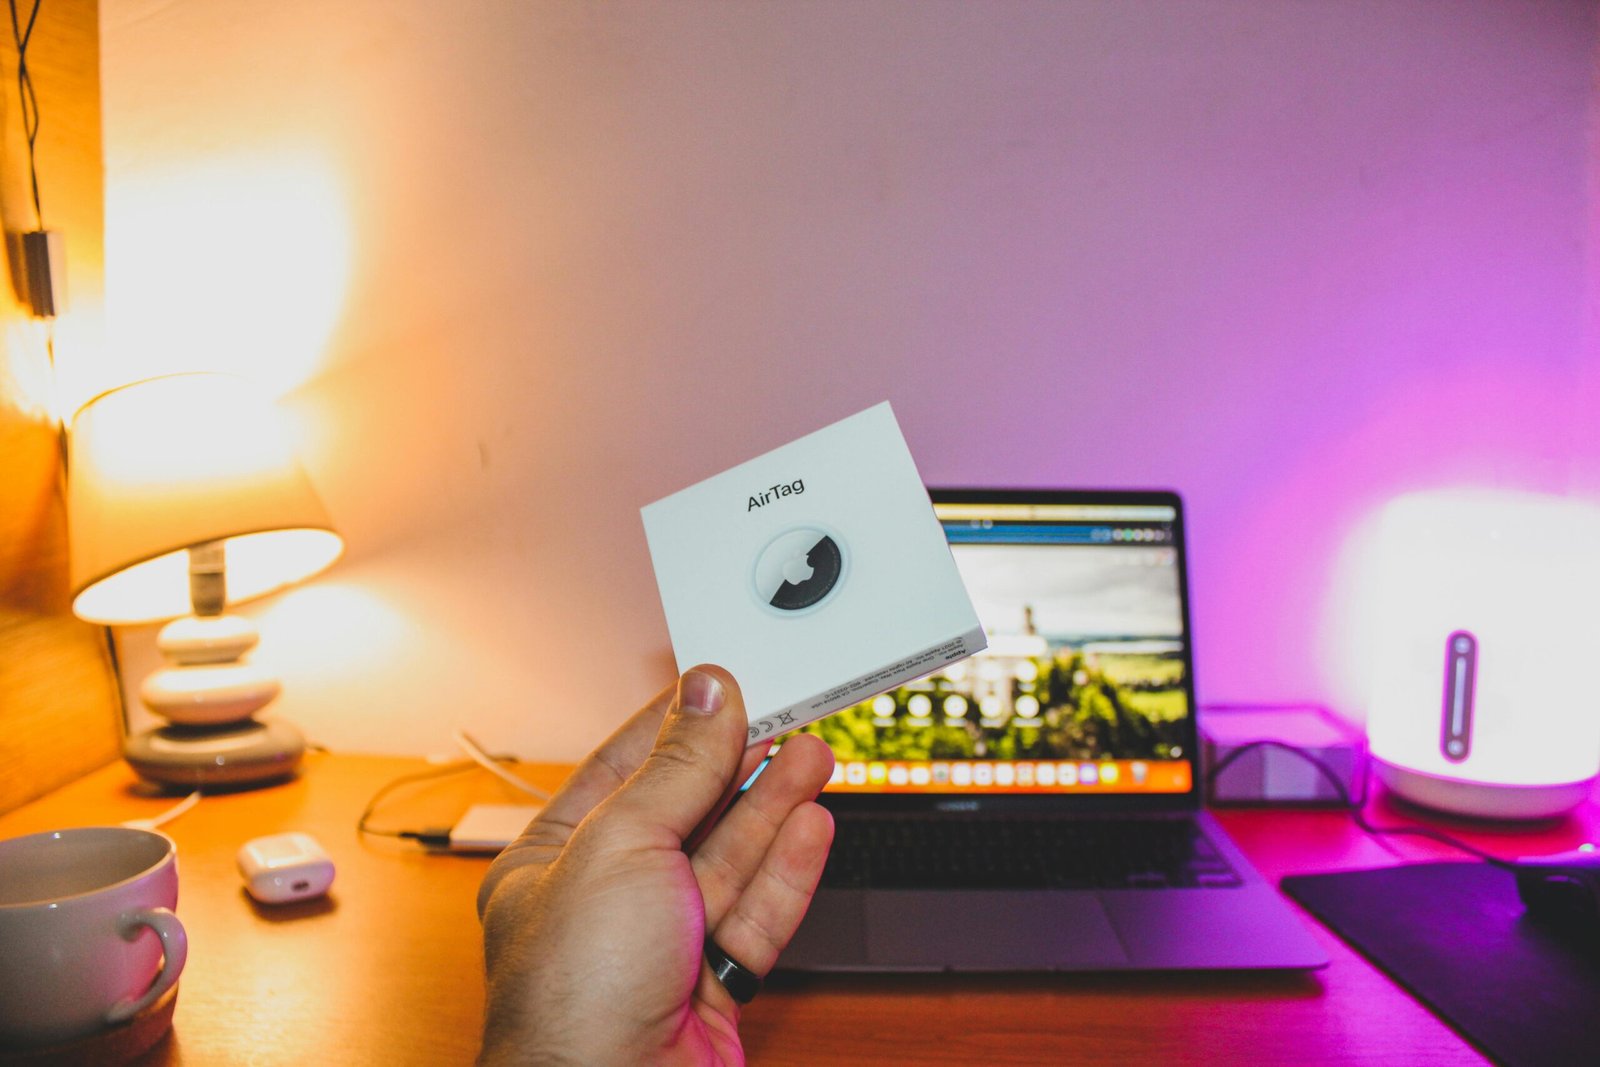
<point>1355,806</point>
<point>432,836</point>
<point>405,780</point>
<point>30,100</point>
<point>116,679</point>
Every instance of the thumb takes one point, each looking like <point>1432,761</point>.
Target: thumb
<point>696,755</point>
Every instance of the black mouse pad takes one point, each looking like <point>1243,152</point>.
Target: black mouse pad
<point>1457,937</point>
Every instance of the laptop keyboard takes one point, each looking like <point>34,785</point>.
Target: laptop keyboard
<point>1022,853</point>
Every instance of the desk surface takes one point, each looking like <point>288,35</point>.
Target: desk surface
<point>388,969</point>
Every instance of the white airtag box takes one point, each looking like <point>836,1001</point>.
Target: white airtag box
<point>817,574</point>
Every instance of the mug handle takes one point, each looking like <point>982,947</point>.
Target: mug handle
<point>174,951</point>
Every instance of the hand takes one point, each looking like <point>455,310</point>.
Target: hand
<point>594,921</point>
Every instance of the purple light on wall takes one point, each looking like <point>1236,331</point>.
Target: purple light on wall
<point>1282,559</point>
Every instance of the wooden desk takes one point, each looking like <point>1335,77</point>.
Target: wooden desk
<point>389,970</point>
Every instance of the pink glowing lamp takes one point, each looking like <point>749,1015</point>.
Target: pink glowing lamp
<point>1484,635</point>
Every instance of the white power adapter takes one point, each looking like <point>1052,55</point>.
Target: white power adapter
<point>1247,758</point>
<point>281,868</point>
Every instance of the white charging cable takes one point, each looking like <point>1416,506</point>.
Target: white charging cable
<point>167,816</point>
<point>476,753</point>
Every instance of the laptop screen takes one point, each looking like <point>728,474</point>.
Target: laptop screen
<point>1086,685</point>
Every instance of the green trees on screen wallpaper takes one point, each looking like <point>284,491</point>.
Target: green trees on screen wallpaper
<point>1090,705</point>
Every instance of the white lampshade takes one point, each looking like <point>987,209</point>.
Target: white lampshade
<point>166,464</point>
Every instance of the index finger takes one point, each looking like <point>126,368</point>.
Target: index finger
<point>596,778</point>
<point>608,766</point>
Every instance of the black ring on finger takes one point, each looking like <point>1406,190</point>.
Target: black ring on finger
<point>740,981</point>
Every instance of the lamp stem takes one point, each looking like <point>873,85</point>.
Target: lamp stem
<point>208,582</point>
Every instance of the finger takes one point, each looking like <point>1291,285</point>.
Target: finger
<point>596,778</point>
<point>607,767</point>
<point>747,766</point>
<point>731,855</point>
<point>695,757</point>
<point>766,915</point>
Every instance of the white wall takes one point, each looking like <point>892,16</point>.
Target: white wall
<point>519,268</point>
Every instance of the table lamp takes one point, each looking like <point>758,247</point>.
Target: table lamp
<point>1486,618</point>
<point>183,497</point>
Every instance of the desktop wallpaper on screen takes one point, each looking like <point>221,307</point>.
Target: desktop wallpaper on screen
<point>1083,687</point>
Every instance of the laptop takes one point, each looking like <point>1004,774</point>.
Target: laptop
<point>1037,807</point>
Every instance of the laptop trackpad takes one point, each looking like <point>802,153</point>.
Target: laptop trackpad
<point>989,930</point>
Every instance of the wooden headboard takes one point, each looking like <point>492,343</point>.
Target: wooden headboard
<point>60,713</point>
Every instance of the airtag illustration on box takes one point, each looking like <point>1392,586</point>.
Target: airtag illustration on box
<point>817,574</point>
<point>799,569</point>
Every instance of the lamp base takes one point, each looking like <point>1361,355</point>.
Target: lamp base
<point>1482,800</point>
<point>235,755</point>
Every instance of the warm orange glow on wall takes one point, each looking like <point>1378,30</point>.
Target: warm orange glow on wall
<point>337,633</point>
<point>29,386</point>
<point>237,264</point>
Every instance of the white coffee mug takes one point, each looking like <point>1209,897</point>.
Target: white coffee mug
<point>87,934</point>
